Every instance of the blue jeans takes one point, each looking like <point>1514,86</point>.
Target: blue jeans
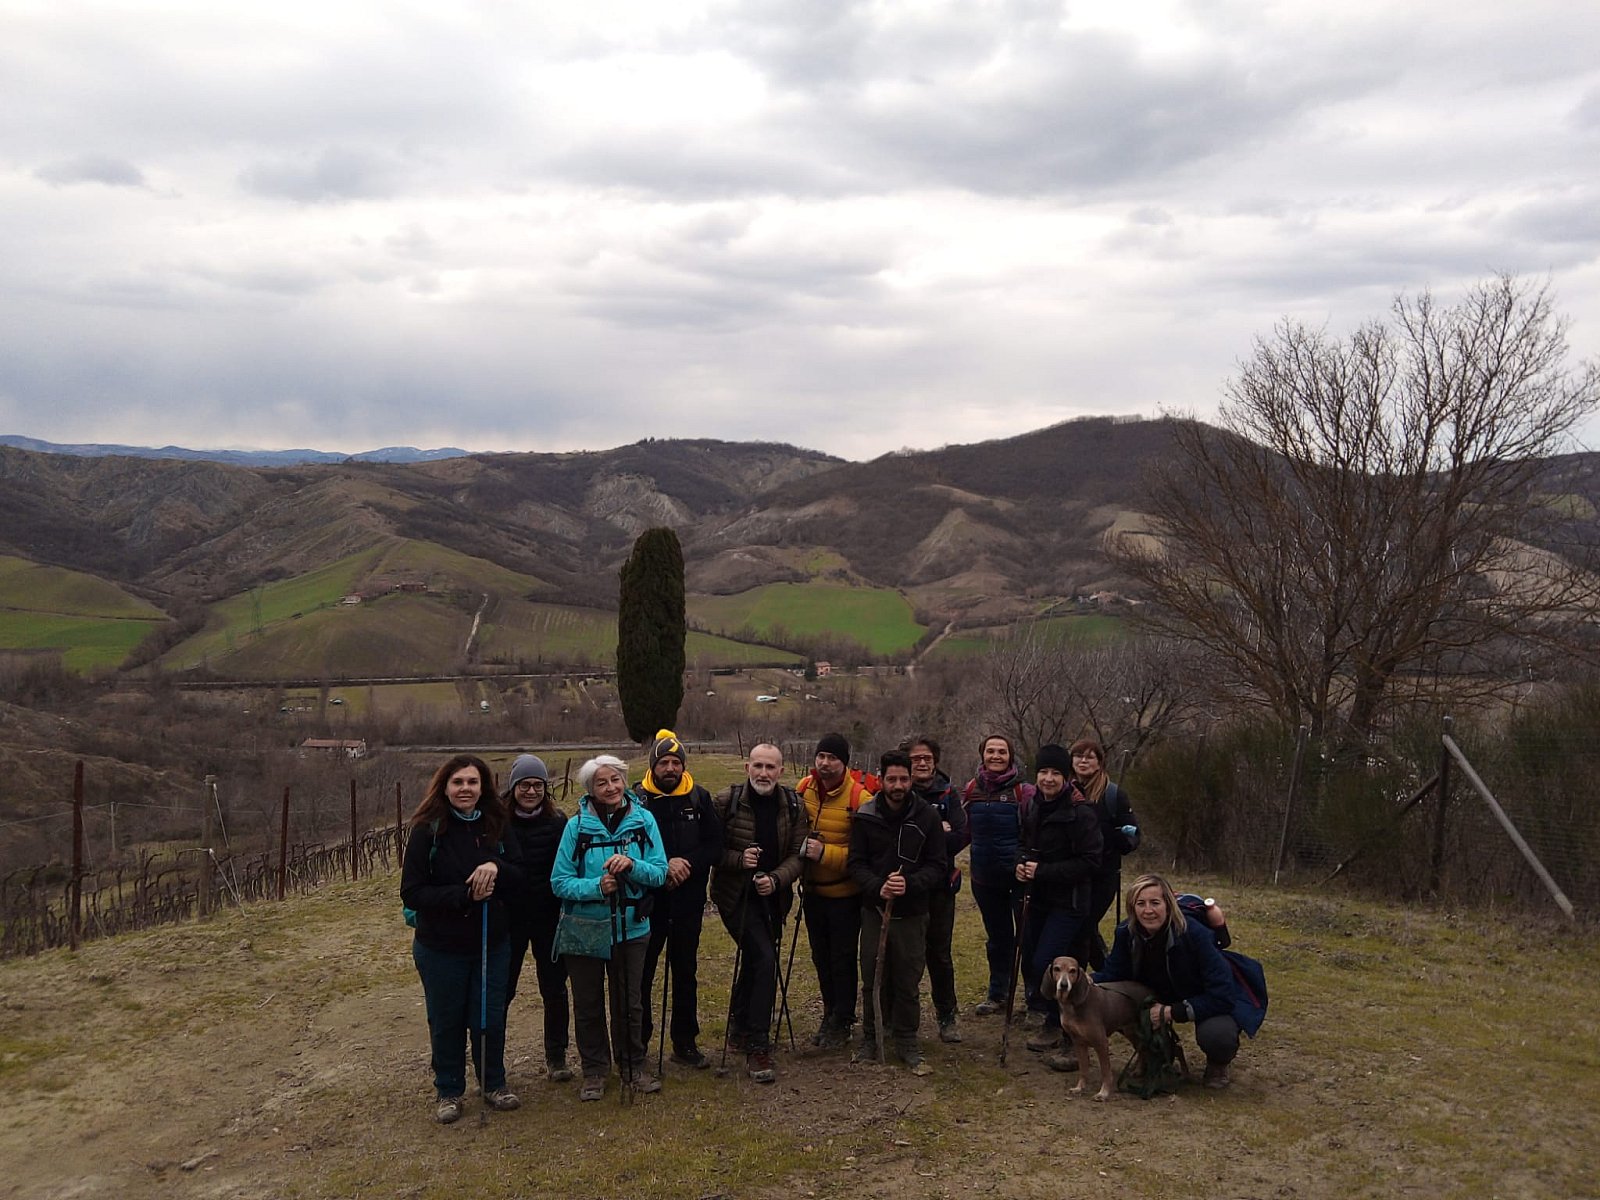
<point>1001,909</point>
<point>453,988</point>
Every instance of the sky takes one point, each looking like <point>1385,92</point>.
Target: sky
<point>854,227</point>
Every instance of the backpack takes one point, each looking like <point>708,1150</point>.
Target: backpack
<point>1247,972</point>
<point>796,809</point>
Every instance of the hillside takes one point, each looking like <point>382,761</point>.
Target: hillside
<point>281,1051</point>
<point>979,536</point>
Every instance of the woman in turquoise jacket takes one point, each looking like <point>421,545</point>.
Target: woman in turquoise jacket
<point>609,860</point>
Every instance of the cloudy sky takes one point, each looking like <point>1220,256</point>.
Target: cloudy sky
<point>853,226</point>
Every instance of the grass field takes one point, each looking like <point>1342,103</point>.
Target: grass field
<point>282,1051</point>
<point>565,634</point>
<point>86,643</point>
<point>91,621</point>
<point>879,618</point>
<point>1090,627</point>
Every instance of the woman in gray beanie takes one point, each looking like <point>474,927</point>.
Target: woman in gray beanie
<point>533,832</point>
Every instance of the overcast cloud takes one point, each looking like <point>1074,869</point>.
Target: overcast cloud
<point>850,226</point>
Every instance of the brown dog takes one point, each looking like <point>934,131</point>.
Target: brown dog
<point>1090,1014</point>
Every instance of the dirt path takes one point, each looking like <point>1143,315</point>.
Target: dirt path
<point>282,1052</point>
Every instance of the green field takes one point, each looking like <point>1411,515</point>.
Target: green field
<point>86,643</point>
<point>35,587</point>
<point>879,618</point>
<point>567,634</point>
<point>93,622</point>
<point>1089,628</point>
<point>298,626</point>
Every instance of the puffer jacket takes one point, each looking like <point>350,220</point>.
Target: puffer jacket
<point>587,842</point>
<point>1197,979</point>
<point>830,814</point>
<point>731,877</point>
<point>942,797</point>
<point>994,819</point>
<point>1063,837</point>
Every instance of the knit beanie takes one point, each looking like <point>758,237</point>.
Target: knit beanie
<point>527,766</point>
<point>836,745</point>
<point>1053,756</point>
<point>667,743</point>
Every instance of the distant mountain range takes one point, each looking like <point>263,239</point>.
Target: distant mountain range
<point>238,458</point>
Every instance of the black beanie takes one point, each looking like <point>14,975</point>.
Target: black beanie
<point>1054,756</point>
<point>836,745</point>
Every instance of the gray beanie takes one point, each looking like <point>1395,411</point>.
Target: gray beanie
<point>527,766</point>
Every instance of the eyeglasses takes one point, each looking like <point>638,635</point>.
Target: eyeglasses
<point>921,758</point>
<point>529,785</point>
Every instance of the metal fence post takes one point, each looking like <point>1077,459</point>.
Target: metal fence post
<point>206,898</point>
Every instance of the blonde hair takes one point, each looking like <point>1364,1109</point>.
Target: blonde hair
<point>1176,921</point>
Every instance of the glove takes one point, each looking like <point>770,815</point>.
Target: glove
<point>1128,830</point>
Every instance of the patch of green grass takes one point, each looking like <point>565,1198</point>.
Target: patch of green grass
<point>35,587</point>
<point>562,633</point>
<point>1089,628</point>
<point>86,643</point>
<point>879,618</point>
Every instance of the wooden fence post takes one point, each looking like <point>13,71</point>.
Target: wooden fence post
<point>399,823</point>
<point>1436,859</point>
<point>205,897</point>
<point>355,838</point>
<point>75,925</point>
<point>1300,736</point>
<point>283,844</point>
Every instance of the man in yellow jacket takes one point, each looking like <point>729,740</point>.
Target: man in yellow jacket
<point>832,900</point>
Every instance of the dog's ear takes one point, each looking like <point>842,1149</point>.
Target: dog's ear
<point>1080,986</point>
<point>1047,984</point>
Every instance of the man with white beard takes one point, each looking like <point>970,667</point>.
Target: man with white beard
<point>764,827</point>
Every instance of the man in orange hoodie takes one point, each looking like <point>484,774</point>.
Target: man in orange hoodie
<point>832,900</point>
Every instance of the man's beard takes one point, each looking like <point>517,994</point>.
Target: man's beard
<point>763,789</point>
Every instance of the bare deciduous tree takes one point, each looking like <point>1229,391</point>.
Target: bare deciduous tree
<point>1368,520</point>
<point>1046,688</point>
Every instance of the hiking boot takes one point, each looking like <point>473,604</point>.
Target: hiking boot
<point>834,1036</point>
<point>739,1040</point>
<point>1061,1060</point>
<point>502,1099</point>
<point>866,1050</point>
<point>758,1064</point>
<point>1216,1076</point>
<point>594,1087</point>
<point>448,1110</point>
<point>645,1082</point>
<point>558,1072</point>
<point>912,1057</point>
<point>690,1056</point>
<point>1047,1038</point>
<point>988,1007</point>
<point>947,1029</point>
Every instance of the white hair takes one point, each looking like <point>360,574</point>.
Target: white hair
<point>586,772</point>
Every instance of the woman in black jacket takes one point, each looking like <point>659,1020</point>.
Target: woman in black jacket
<point>1056,861</point>
<point>533,832</point>
<point>449,880</point>
<point>1119,833</point>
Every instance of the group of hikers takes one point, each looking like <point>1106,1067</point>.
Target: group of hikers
<point>609,896</point>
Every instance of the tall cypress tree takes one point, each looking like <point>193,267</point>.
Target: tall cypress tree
<point>650,634</point>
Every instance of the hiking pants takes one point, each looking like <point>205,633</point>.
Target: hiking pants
<point>539,935</point>
<point>678,932</point>
<point>1001,908</point>
<point>623,976</point>
<point>452,987</point>
<point>1050,934</point>
<point>1218,1038</point>
<point>833,927</point>
<point>755,991</point>
<point>904,957</point>
<point>941,964</point>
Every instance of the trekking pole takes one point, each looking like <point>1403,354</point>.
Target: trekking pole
<point>1016,965</point>
<point>733,986</point>
<point>783,1018</point>
<point>666,977</point>
<point>483,1019</point>
<point>877,977</point>
<point>625,1094</point>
